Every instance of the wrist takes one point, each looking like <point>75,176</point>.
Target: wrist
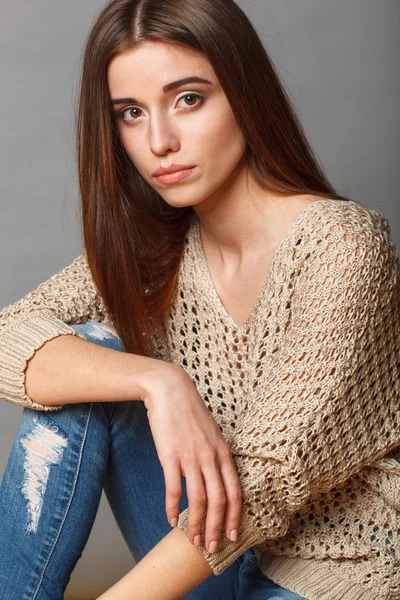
<point>159,377</point>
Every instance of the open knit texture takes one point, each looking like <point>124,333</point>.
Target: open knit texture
<point>306,392</point>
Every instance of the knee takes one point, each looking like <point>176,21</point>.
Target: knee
<point>99,333</point>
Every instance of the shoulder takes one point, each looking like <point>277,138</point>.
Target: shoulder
<point>344,225</point>
<point>330,215</point>
<point>347,243</point>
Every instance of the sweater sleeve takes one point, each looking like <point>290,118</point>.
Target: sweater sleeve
<point>328,404</point>
<point>69,296</point>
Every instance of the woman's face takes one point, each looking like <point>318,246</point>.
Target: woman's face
<point>191,124</point>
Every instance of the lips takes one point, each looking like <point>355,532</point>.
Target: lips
<point>175,176</point>
<point>171,169</point>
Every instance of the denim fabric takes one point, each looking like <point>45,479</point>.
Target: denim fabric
<point>59,463</point>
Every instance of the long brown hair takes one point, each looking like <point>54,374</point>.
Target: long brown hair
<point>132,238</point>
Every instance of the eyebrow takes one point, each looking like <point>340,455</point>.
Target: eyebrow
<point>167,88</point>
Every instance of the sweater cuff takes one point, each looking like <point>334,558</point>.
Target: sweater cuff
<point>18,343</point>
<point>227,552</point>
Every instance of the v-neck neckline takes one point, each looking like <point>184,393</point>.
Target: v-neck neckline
<point>206,275</point>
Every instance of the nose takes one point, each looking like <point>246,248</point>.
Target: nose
<point>163,137</point>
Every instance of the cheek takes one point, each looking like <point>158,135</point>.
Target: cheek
<point>222,145</point>
<point>221,135</point>
<point>131,146</point>
<point>138,153</point>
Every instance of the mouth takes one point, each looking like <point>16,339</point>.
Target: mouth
<point>174,177</point>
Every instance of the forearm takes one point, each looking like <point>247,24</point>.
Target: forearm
<point>69,369</point>
<point>172,569</point>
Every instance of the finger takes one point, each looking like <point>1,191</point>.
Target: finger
<point>196,501</point>
<point>173,487</point>
<point>216,502</point>
<point>233,492</point>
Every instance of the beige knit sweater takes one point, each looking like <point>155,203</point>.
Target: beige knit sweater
<point>306,392</point>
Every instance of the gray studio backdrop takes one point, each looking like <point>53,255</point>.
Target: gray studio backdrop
<point>340,62</point>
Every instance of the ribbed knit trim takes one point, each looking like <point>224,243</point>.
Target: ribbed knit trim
<point>18,344</point>
<point>314,580</point>
<point>227,551</point>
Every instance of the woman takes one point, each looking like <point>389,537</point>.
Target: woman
<point>251,309</point>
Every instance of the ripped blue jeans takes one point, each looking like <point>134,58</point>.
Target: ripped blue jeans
<point>59,463</point>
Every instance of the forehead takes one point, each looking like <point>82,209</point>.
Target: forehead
<point>153,64</point>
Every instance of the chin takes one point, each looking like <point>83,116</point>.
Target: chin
<point>182,204</point>
<point>183,197</point>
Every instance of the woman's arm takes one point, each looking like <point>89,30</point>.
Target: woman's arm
<point>69,296</point>
<point>69,370</point>
<point>172,569</point>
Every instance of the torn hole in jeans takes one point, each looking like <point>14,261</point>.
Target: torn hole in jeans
<point>43,446</point>
<point>98,331</point>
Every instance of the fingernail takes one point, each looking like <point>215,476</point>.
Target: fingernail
<point>233,535</point>
<point>212,547</point>
<point>197,540</point>
<point>174,522</point>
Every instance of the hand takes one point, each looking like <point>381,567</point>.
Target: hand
<point>189,442</point>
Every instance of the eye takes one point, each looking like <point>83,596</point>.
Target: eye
<point>129,110</point>
<point>134,110</point>
<point>190,95</point>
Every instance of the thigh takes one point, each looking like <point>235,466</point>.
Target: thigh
<point>49,496</point>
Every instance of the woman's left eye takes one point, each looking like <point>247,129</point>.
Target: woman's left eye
<point>192,96</point>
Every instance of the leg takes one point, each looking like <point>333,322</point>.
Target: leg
<point>254,585</point>
<point>49,495</point>
<point>135,489</point>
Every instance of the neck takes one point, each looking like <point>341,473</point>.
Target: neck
<point>246,220</point>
